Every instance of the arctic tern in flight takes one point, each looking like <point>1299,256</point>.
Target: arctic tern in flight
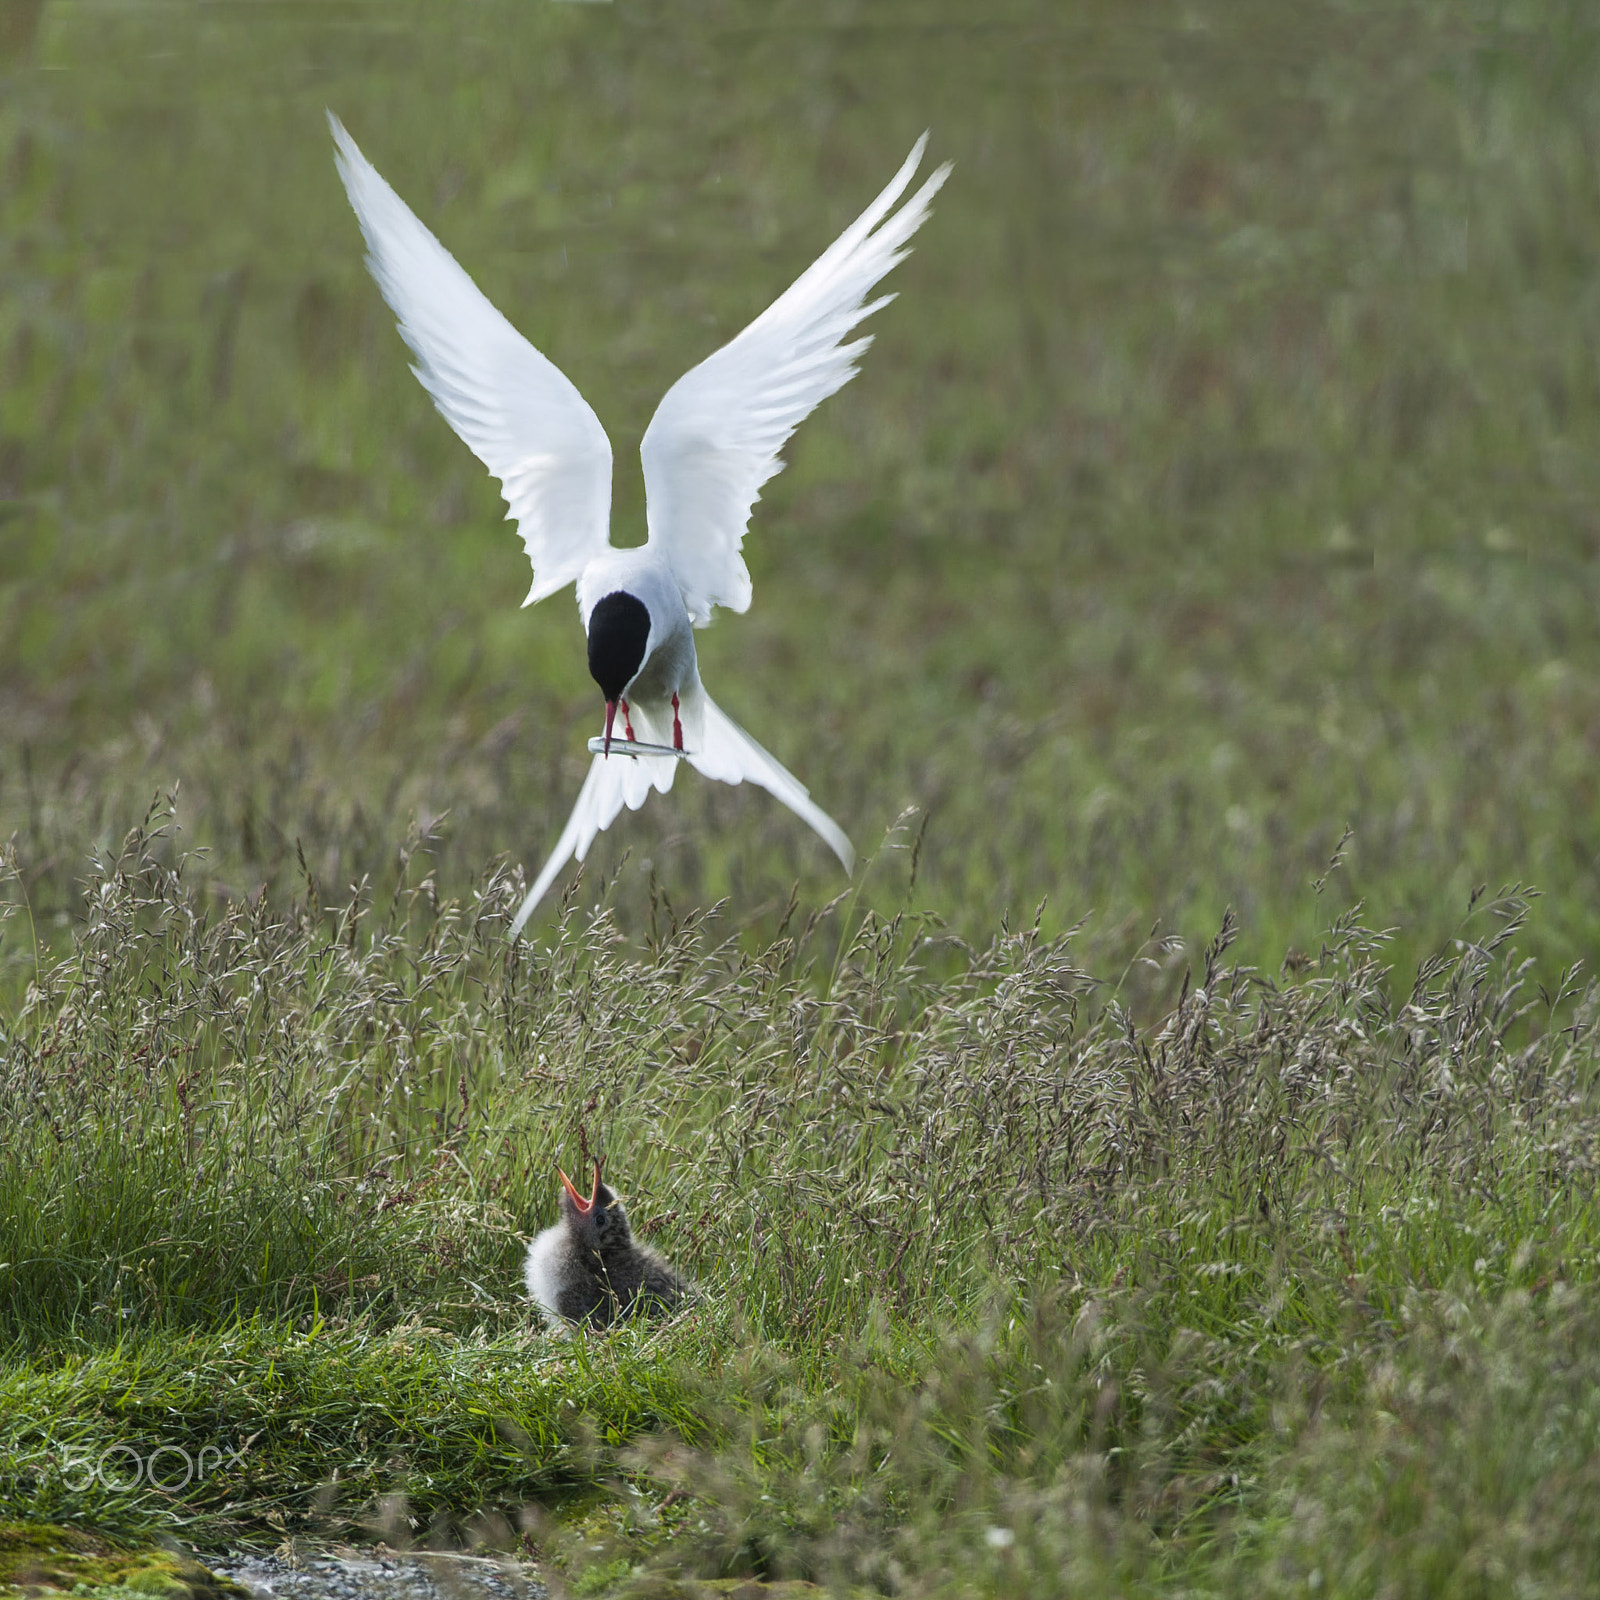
<point>712,443</point>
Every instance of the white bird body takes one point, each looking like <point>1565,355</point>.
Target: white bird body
<point>641,572</point>
<point>714,440</point>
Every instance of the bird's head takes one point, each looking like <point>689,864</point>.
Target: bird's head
<point>619,634</point>
<point>597,1220</point>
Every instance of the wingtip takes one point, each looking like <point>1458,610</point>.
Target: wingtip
<point>935,180</point>
<point>341,135</point>
<point>895,188</point>
<point>920,203</point>
<point>348,160</point>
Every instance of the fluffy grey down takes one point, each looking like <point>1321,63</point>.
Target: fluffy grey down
<point>589,1268</point>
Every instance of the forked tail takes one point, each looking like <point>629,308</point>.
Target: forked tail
<point>613,782</point>
<point>726,752</point>
<point>719,748</point>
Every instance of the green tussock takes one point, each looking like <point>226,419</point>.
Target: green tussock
<point>44,1559</point>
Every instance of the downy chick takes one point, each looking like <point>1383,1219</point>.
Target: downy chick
<point>589,1268</point>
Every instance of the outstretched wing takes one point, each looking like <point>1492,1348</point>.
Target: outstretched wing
<point>518,413</point>
<point>715,437</point>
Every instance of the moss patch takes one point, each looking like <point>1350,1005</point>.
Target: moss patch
<point>655,1587</point>
<point>44,1559</point>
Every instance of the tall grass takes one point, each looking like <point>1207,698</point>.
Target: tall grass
<point>1223,474</point>
<point>979,1235</point>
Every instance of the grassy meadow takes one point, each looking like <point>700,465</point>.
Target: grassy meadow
<point>1169,1166</point>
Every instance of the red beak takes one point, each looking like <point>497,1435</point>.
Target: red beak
<point>584,1206</point>
<point>611,716</point>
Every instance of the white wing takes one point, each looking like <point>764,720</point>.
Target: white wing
<point>613,782</point>
<point>516,411</point>
<point>715,437</point>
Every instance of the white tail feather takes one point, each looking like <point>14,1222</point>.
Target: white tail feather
<point>724,751</point>
<point>718,747</point>
<point>613,782</point>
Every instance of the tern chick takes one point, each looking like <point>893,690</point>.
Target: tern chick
<point>589,1268</point>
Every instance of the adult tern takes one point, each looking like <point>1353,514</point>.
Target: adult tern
<point>713,442</point>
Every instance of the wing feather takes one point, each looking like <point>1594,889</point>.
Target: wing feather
<point>516,411</point>
<point>715,437</point>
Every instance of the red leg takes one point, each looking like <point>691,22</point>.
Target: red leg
<point>627,726</point>
<point>677,727</point>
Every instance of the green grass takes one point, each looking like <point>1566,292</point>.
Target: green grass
<point>976,1248</point>
<point>1224,474</point>
<point>1092,1197</point>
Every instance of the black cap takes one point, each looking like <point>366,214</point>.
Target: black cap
<point>619,629</point>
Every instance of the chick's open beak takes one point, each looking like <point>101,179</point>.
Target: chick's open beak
<point>584,1206</point>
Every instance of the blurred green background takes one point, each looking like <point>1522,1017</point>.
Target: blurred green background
<point>1224,475</point>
